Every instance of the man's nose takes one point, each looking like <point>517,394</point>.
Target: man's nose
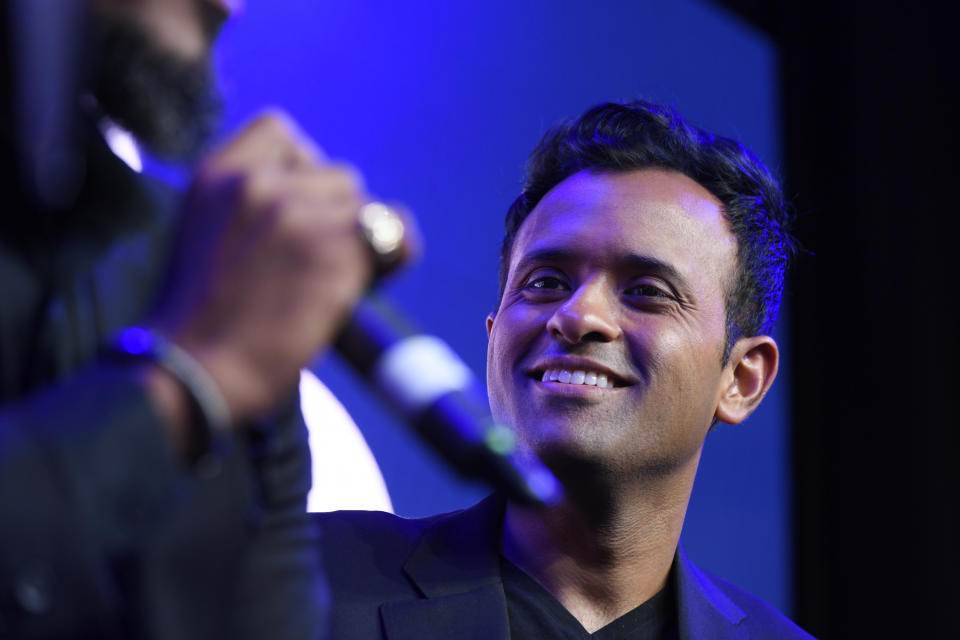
<point>589,314</point>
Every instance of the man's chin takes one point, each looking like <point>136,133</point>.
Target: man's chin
<point>171,105</point>
<point>597,460</point>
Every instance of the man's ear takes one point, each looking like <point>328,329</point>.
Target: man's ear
<point>746,378</point>
<point>489,323</point>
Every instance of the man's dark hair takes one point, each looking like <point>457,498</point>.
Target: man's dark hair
<point>640,134</point>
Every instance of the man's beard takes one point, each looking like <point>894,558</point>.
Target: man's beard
<point>171,105</point>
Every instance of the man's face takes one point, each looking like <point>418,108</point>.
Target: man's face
<point>617,278</point>
<point>153,73</point>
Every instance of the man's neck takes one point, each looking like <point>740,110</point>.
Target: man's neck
<point>602,552</point>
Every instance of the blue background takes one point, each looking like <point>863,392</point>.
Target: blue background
<point>439,103</point>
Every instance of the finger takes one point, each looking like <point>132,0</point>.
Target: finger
<point>320,190</point>
<point>330,238</point>
<point>336,181</point>
<point>271,139</point>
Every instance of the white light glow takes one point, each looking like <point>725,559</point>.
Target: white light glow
<point>123,145</point>
<point>345,473</point>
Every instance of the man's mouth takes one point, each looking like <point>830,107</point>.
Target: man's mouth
<point>578,376</point>
<point>577,372</point>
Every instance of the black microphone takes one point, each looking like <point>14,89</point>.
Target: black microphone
<point>437,394</point>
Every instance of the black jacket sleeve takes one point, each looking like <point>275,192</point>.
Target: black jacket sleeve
<point>105,535</point>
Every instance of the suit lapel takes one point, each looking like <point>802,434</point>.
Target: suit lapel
<point>456,567</point>
<point>704,610</point>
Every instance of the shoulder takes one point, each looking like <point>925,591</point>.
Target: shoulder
<point>365,551</point>
<point>761,619</point>
<point>370,530</point>
<point>344,529</point>
<point>363,555</point>
<point>708,603</point>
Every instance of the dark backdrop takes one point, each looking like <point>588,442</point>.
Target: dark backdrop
<point>869,116</point>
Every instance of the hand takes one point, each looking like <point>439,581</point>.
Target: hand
<point>268,265</point>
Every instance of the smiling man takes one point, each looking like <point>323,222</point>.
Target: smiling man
<point>640,276</point>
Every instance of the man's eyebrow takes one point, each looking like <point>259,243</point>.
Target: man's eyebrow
<point>547,255</point>
<point>655,266</point>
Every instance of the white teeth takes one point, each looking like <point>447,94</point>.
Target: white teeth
<point>589,378</point>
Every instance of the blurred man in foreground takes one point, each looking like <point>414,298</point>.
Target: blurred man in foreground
<point>157,489</point>
<point>640,277</point>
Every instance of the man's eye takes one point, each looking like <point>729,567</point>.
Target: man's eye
<point>648,291</point>
<point>546,283</point>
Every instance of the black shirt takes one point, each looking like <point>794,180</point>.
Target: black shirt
<point>535,614</point>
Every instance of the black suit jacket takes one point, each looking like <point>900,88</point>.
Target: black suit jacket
<point>439,577</point>
<point>103,534</point>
